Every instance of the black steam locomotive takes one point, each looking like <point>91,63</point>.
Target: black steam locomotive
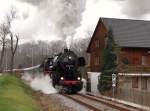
<point>63,69</point>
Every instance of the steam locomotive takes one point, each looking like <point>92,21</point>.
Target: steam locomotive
<point>64,71</point>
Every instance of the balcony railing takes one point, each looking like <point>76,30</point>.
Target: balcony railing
<point>128,68</point>
<point>134,68</point>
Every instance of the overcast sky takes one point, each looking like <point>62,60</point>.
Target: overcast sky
<point>60,19</point>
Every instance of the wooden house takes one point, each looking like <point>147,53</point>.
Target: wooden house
<point>132,36</point>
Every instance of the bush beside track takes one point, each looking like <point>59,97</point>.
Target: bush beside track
<point>15,95</point>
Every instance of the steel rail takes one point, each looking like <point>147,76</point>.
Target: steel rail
<point>116,102</point>
<point>115,106</point>
<point>91,107</point>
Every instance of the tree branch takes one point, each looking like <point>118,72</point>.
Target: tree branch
<point>11,42</point>
<point>16,45</point>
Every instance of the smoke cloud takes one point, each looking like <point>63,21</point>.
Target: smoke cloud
<point>59,18</point>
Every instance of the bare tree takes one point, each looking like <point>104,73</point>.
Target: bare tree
<point>3,41</point>
<point>13,49</point>
<point>13,45</point>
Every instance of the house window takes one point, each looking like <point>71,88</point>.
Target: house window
<point>89,59</point>
<point>97,43</point>
<point>135,81</point>
<point>96,60</point>
<point>144,60</point>
<point>144,83</point>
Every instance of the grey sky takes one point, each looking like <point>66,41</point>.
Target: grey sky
<point>34,2</point>
<point>136,8</point>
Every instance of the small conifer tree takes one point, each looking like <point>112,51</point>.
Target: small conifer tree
<point>109,65</point>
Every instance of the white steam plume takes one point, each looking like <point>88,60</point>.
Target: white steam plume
<point>69,41</point>
<point>44,84</point>
<point>59,18</point>
<point>39,82</point>
<point>84,86</point>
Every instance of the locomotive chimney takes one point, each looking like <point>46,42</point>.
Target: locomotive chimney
<point>66,50</point>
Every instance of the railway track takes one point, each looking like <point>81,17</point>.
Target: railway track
<point>96,103</point>
<point>83,101</point>
<point>113,103</point>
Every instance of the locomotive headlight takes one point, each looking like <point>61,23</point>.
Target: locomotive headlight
<point>78,78</point>
<point>62,78</point>
<point>70,57</point>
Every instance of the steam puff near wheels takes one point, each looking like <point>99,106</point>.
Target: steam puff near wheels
<point>84,86</point>
<point>40,82</point>
<point>43,83</point>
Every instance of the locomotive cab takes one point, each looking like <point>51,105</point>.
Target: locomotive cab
<point>48,63</point>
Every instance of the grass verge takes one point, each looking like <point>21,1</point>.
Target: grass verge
<point>15,95</point>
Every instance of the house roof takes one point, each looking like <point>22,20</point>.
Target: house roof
<point>93,35</point>
<point>127,32</point>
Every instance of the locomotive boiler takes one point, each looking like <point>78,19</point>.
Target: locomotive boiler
<point>65,72</point>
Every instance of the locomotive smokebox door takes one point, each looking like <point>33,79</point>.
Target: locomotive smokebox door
<point>81,61</point>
